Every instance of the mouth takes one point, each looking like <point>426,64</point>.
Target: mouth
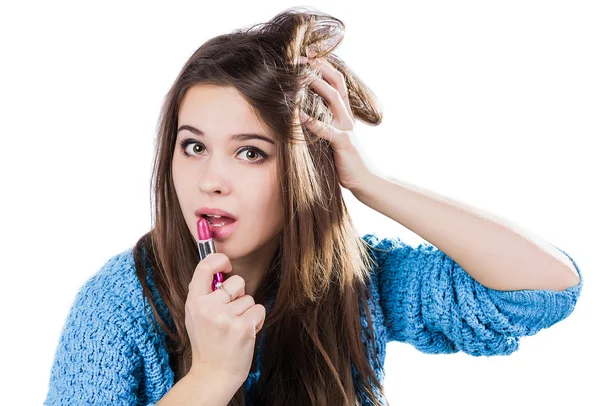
<point>218,221</point>
<point>221,227</point>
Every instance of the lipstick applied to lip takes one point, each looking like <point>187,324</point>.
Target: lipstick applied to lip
<point>206,246</point>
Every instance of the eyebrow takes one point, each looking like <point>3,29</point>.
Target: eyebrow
<point>235,137</point>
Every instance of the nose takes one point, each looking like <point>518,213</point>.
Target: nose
<point>212,177</point>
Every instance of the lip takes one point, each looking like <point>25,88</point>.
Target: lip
<point>208,210</point>
<point>220,233</point>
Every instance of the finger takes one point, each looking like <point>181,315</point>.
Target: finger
<point>255,315</point>
<point>335,102</point>
<point>322,130</point>
<point>240,305</point>
<point>235,286</point>
<point>335,78</point>
<point>205,270</point>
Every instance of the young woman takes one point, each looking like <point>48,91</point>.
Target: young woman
<point>259,128</point>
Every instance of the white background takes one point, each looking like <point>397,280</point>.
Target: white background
<point>492,103</point>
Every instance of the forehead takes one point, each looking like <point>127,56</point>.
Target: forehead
<point>212,107</point>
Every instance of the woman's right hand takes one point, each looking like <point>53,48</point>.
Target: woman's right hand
<point>222,333</point>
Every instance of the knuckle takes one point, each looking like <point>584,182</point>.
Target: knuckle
<point>212,261</point>
<point>332,91</point>
<point>263,310</point>
<point>222,260</point>
<point>199,310</point>
<point>188,307</point>
<point>200,266</point>
<point>247,301</point>
<point>339,76</point>
<point>238,279</point>
<point>190,301</point>
<point>192,308</point>
<point>219,255</point>
<point>221,320</point>
<point>238,324</point>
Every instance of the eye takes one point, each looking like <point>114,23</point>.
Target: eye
<point>198,146</point>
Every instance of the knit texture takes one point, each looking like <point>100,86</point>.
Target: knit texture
<point>110,351</point>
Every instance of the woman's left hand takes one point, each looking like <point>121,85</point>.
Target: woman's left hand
<point>351,167</point>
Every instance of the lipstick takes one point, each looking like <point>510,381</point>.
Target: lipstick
<point>206,246</point>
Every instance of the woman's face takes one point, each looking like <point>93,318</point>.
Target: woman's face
<point>220,172</point>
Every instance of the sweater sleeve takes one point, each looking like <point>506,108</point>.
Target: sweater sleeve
<point>430,302</point>
<point>95,362</point>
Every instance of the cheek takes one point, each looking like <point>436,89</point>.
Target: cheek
<point>175,175</point>
<point>263,182</point>
<point>272,203</point>
<point>264,192</point>
<point>179,179</point>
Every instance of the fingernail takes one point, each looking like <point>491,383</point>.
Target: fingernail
<point>303,59</point>
<point>303,116</point>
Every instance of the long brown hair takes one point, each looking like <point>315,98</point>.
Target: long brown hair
<point>321,269</point>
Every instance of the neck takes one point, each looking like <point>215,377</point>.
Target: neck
<point>252,268</point>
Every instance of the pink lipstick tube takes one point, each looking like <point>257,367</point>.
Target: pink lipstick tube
<point>206,246</point>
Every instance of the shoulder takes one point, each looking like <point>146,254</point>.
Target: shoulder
<point>380,247</point>
<point>114,278</point>
<point>113,293</point>
<point>378,329</point>
<point>113,296</point>
<point>391,252</point>
<point>387,244</point>
<point>383,245</point>
<point>107,347</point>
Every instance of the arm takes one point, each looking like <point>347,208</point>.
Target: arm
<point>192,391</point>
<point>427,300</point>
<point>497,253</point>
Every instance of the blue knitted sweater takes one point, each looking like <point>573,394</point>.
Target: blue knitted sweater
<point>111,353</point>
